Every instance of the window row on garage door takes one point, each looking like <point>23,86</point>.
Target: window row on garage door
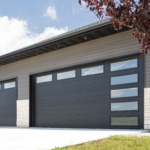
<point>108,94</point>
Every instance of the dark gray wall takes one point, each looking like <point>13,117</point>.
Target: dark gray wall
<point>83,102</point>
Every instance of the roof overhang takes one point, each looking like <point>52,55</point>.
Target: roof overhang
<point>84,34</point>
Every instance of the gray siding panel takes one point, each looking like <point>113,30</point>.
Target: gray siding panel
<point>111,46</point>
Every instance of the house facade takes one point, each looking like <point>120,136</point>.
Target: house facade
<point>91,77</point>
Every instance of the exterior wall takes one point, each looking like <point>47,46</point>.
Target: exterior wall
<point>147,93</point>
<point>110,46</point>
<point>22,113</point>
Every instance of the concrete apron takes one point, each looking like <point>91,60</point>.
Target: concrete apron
<point>48,138</point>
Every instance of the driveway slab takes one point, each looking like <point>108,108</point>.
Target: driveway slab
<point>48,138</point>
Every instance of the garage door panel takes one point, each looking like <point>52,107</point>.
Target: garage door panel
<point>74,104</point>
<point>7,115</point>
<point>47,113</point>
<point>5,97</point>
<point>71,90</point>
<point>8,108</point>
<point>6,103</point>
<point>78,100</point>
<point>71,104</point>
<point>11,92</point>
<point>81,85</point>
<point>84,101</point>
<point>8,99</point>
<point>8,121</point>
<point>71,121</point>
<point>69,112</point>
<point>72,109</point>
<point>74,93</point>
<point>73,100</point>
<point>77,97</point>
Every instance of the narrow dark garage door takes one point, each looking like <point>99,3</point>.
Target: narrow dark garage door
<point>8,103</point>
<point>100,95</point>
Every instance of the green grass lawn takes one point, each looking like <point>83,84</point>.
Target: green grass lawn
<point>114,143</point>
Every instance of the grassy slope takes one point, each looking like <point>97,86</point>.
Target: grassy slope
<point>114,143</point>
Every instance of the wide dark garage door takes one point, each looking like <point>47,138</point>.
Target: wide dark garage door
<point>106,94</point>
<point>8,100</point>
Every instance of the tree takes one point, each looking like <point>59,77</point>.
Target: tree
<point>128,13</point>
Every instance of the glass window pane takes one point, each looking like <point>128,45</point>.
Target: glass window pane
<point>124,121</point>
<point>124,79</point>
<point>66,75</point>
<point>124,106</point>
<point>92,70</point>
<point>9,85</point>
<point>131,92</point>
<point>124,65</point>
<point>46,78</point>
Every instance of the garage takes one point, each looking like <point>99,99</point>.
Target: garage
<point>103,94</point>
<point>8,98</point>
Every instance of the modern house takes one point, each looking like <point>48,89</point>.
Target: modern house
<point>91,77</point>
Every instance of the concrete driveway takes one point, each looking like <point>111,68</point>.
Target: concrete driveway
<point>48,138</point>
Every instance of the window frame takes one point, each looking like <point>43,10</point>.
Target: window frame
<point>65,72</point>
<point>125,75</point>
<point>124,110</point>
<point>121,60</point>
<point>9,87</point>
<point>91,67</point>
<point>126,125</point>
<point>43,76</point>
<point>124,89</point>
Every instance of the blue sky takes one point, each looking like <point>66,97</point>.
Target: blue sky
<point>26,22</point>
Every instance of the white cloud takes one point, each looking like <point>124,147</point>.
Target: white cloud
<point>51,12</point>
<point>14,34</point>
